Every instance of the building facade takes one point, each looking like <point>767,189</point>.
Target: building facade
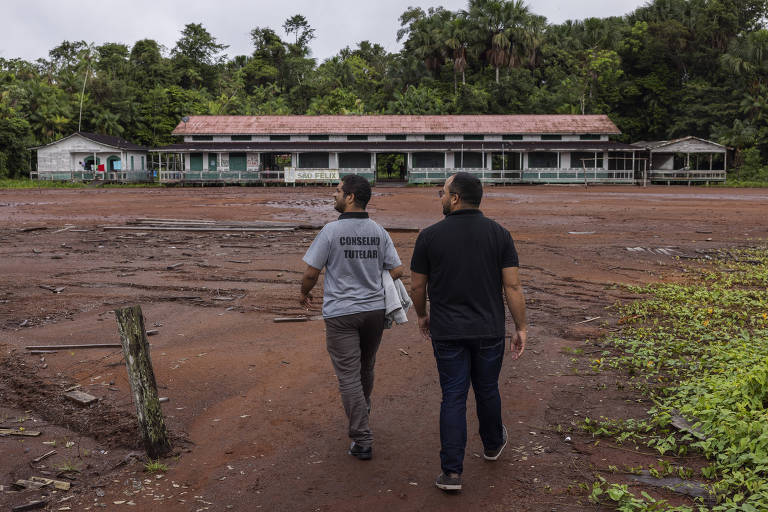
<point>90,156</point>
<point>500,149</point>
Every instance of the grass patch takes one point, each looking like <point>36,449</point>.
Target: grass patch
<point>37,184</point>
<point>155,466</point>
<point>700,350</point>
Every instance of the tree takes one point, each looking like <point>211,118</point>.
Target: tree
<point>303,33</point>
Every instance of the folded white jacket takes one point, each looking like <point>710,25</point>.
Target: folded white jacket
<point>396,300</point>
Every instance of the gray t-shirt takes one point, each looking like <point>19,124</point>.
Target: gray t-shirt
<point>354,251</point>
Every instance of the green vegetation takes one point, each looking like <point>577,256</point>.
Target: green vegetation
<point>670,68</point>
<point>155,466</point>
<point>699,350</point>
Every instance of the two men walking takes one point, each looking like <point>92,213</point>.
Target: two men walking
<point>465,263</point>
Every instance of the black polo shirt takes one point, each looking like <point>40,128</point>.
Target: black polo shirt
<point>462,257</point>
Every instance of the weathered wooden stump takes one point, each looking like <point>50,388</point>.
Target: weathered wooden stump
<point>130,323</point>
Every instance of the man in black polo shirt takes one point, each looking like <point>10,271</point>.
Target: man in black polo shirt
<point>468,262</point>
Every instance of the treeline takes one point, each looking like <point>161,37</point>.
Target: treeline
<point>669,69</point>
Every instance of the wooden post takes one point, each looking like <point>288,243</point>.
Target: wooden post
<point>130,323</point>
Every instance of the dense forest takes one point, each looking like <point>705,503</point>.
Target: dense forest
<point>670,68</point>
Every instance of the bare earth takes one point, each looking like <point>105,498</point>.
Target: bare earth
<point>254,408</point>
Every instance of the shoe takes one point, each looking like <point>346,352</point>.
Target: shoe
<point>494,454</point>
<point>362,453</point>
<point>448,482</point>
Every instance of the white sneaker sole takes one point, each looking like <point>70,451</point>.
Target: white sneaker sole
<point>448,487</point>
<point>498,454</point>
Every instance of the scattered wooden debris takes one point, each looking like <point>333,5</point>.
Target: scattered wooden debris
<point>80,397</point>
<point>290,319</point>
<point>70,347</point>
<point>36,228</point>
<point>581,232</point>
<point>153,332</point>
<point>57,484</point>
<point>223,298</point>
<point>19,432</point>
<point>30,505</point>
<point>67,228</point>
<point>403,351</point>
<point>174,266</point>
<point>40,352</point>
<point>163,399</point>
<point>587,320</point>
<point>674,484</point>
<point>44,456</point>
<point>53,289</point>
<point>245,262</point>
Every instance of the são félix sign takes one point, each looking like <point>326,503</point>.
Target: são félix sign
<point>292,175</point>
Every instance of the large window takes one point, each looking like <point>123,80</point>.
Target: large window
<point>240,137</point>
<point>551,137</point>
<point>395,137</point>
<point>586,159</point>
<point>468,160</point>
<point>543,160</point>
<point>507,161</point>
<point>202,138</point>
<point>474,137</point>
<point>428,160</point>
<point>313,161</point>
<point>434,137</point>
<point>237,162</point>
<point>357,137</point>
<point>318,137</point>
<point>511,137</point>
<point>620,161</point>
<point>354,160</point>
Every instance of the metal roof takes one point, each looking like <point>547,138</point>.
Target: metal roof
<point>396,146</point>
<point>659,144</point>
<point>396,124</point>
<point>106,140</point>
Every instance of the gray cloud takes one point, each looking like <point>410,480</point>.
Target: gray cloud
<point>32,27</point>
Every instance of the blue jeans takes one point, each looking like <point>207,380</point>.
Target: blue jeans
<point>460,362</point>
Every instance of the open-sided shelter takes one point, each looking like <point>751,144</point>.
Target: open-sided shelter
<point>687,160</point>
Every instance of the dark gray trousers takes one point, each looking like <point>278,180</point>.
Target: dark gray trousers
<point>352,342</point>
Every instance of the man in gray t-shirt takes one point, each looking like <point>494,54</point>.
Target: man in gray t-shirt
<point>354,251</point>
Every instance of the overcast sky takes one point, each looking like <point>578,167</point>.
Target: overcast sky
<point>31,28</point>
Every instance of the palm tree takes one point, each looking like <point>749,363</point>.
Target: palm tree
<point>457,41</point>
<point>502,22</point>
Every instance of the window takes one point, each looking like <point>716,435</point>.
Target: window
<point>468,160</point>
<point>318,137</point>
<point>201,138</point>
<point>132,162</point>
<point>511,137</point>
<point>279,137</point>
<point>237,162</point>
<point>620,161</point>
<point>551,137</point>
<point>589,136</point>
<point>506,161</point>
<point>142,163</point>
<point>588,159</point>
<point>434,137</point>
<point>428,160</point>
<point>474,137</point>
<point>543,160</point>
<point>395,137</point>
<point>354,160</point>
<point>357,137</point>
<point>313,161</point>
<point>240,138</point>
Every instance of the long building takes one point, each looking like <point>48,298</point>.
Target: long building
<point>502,149</point>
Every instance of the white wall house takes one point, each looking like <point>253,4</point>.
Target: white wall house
<point>89,156</point>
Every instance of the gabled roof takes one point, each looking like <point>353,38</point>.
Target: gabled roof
<point>106,140</point>
<point>396,124</point>
<point>660,144</point>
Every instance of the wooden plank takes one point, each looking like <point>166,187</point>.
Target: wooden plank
<point>17,432</point>
<point>44,456</point>
<point>28,484</point>
<point>71,347</point>
<point>291,319</point>
<point>133,334</point>
<point>80,397</point>
<point>30,506</point>
<point>58,484</point>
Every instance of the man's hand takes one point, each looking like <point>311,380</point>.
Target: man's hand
<point>306,300</point>
<point>308,281</point>
<point>424,327</point>
<point>517,344</point>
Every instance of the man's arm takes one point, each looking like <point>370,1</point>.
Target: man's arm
<point>397,272</point>
<point>513,291</point>
<point>308,281</point>
<point>419,297</point>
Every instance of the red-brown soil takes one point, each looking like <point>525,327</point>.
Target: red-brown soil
<point>254,407</point>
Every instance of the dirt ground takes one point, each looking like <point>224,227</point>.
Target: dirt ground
<point>254,408</point>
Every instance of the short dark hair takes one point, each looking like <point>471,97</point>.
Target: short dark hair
<point>358,185</point>
<point>468,188</point>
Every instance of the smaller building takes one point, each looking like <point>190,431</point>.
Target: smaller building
<point>91,156</point>
<point>685,160</point>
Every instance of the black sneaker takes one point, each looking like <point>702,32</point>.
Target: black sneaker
<point>448,482</point>
<point>362,453</point>
<point>494,454</point>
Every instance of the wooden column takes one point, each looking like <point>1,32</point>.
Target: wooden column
<point>130,323</point>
